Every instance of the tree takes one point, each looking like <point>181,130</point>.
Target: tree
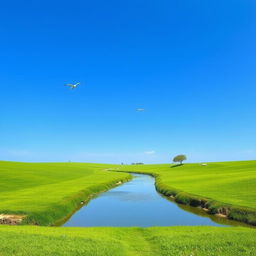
<point>179,158</point>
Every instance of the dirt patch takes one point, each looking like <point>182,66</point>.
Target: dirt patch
<point>10,219</point>
<point>221,215</point>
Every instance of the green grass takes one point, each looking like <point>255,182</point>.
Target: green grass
<point>227,187</point>
<point>49,192</point>
<point>163,241</point>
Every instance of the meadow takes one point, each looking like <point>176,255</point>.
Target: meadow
<point>162,241</point>
<point>49,192</point>
<point>227,188</point>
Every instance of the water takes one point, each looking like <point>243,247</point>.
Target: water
<point>137,203</point>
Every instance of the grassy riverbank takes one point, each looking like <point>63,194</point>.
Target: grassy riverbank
<point>227,188</point>
<point>163,241</point>
<point>48,192</point>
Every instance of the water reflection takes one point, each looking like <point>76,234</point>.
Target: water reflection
<point>137,203</point>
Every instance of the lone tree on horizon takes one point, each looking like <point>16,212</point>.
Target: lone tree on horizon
<point>179,158</point>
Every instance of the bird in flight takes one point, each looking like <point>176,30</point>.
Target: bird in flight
<point>140,109</point>
<point>72,86</point>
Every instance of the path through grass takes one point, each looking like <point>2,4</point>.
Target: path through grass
<point>163,241</point>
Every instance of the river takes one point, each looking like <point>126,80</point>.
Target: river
<point>137,203</point>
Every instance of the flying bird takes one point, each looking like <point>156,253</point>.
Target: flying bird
<point>140,109</point>
<point>72,86</point>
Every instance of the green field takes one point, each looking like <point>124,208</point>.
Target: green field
<point>164,241</point>
<point>49,192</point>
<point>226,187</point>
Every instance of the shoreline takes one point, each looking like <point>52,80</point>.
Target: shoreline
<point>84,202</point>
<point>79,199</point>
<point>212,207</point>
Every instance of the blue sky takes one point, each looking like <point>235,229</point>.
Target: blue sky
<point>190,64</point>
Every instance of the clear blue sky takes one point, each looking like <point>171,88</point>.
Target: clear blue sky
<point>190,64</point>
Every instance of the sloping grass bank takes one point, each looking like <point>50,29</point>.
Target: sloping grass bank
<point>227,188</point>
<point>47,193</point>
<point>162,241</point>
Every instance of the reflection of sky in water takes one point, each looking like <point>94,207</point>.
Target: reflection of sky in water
<point>127,196</point>
<point>135,203</point>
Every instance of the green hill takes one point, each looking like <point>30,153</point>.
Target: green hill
<point>228,187</point>
<point>49,192</point>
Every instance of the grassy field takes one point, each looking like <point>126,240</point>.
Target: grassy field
<point>48,192</point>
<point>228,187</point>
<point>164,241</point>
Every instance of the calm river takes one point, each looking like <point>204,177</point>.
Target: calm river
<point>136,203</point>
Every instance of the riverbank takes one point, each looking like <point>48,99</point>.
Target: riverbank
<point>47,193</point>
<point>226,189</point>
<point>138,204</point>
<point>162,241</point>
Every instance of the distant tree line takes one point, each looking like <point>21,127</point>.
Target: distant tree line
<point>137,163</point>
